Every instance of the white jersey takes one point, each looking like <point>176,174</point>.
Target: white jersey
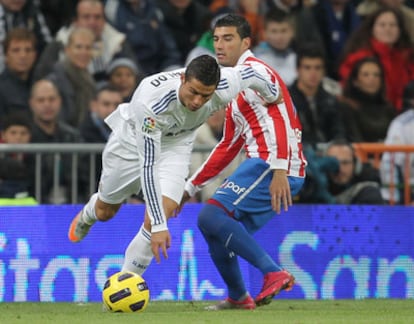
<point>156,120</point>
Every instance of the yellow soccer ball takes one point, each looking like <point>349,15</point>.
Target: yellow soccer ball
<point>125,292</point>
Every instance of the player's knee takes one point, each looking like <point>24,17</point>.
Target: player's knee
<point>105,214</point>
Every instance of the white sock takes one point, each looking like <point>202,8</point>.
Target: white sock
<point>88,214</point>
<point>138,255</point>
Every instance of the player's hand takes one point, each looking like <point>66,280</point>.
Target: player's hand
<point>280,191</point>
<point>160,240</point>
<point>186,197</point>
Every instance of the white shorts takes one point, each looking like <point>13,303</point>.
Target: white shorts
<point>121,172</point>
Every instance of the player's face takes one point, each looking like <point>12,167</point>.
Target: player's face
<point>194,94</point>
<point>346,163</point>
<point>229,46</point>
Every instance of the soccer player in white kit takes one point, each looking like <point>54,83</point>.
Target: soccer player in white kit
<point>273,171</point>
<point>150,148</point>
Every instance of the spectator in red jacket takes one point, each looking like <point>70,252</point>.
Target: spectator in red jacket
<point>383,35</point>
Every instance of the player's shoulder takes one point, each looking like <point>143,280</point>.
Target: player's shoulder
<point>162,80</point>
<point>157,91</point>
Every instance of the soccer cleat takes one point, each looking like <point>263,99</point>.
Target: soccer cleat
<point>228,303</point>
<point>273,283</point>
<point>78,229</point>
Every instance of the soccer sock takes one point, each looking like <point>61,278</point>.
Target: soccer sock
<point>138,255</point>
<point>228,266</point>
<point>214,221</point>
<point>88,214</point>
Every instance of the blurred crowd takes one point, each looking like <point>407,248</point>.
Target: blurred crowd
<point>349,65</point>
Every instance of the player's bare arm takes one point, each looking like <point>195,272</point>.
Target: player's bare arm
<point>280,191</point>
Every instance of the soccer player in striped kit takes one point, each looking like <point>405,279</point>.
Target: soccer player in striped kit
<point>261,186</point>
<point>150,148</point>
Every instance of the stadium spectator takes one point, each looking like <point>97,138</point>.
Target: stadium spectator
<point>329,24</point>
<point>58,13</point>
<point>109,43</point>
<point>365,110</point>
<point>277,49</point>
<point>187,20</point>
<point>16,79</point>
<point>14,171</point>
<point>22,14</point>
<point>367,7</point>
<point>383,35</point>
<point>45,103</point>
<point>94,129</point>
<point>142,23</point>
<point>318,110</point>
<point>124,75</point>
<point>71,76</point>
<point>356,182</point>
<point>400,131</point>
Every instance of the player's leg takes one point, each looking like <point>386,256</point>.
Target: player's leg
<point>227,264</point>
<point>119,180</point>
<point>256,212</point>
<point>172,171</point>
<point>138,255</point>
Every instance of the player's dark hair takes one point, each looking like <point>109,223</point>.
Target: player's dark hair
<point>234,20</point>
<point>205,69</point>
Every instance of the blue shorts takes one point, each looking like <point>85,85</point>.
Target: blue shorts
<point>245,193</point>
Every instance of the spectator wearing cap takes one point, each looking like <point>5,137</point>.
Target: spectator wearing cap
<point>143,24</point>
<point>400,132</point>
<point>124,75</point>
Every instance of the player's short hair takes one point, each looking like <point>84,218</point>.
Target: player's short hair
<point>205,69</point>
<point>235,20</point>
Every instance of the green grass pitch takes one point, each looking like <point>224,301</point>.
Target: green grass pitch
<point>279,311</point>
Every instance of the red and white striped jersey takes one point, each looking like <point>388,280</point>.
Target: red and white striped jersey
<point>272,133</point>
